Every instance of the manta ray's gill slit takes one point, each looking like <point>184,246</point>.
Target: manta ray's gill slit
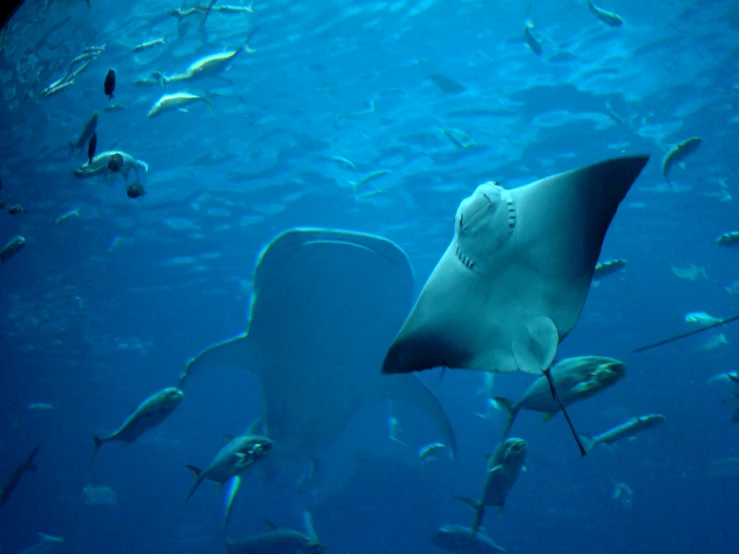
<point>512,214</point>
<point>467,261</point>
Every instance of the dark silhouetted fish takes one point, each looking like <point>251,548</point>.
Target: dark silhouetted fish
<point>461,540</point>
<point>279,541</point>
<point>109,85</point>
<point>15,477</point>
<point>92,146</point>
<point>87,131</point>
<point>444,83</point>
<point>13,246</point>
<point>135,190</point>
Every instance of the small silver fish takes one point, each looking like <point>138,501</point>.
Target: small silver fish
<point>677,154</point>
<point>13,246</point>
<point>609,18</point>
<point>40,406</point>
<point>150,413</point>
<point>629,429</point>
<point>149,44</point>
<point>609,267</point>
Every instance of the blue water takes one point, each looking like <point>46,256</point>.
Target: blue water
<point>103,309</point>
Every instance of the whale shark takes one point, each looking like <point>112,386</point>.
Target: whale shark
<point>325,305</point>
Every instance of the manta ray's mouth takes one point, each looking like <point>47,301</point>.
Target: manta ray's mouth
<point>465,224</point>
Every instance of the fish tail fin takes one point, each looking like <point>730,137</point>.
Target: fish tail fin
<point>547,417</point>
<point>477,507</point>
<point>512,410</point>
<point>208,104</point>
<point>71,147</point>
<point>198,479</point>
<point>471,503</point>
<point>98,443</point>
<point>250,7</point>
<point>587,442</point>
<point>247,46</point>
<point>30,464</point>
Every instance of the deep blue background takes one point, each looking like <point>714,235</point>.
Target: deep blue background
<point>68,300</point>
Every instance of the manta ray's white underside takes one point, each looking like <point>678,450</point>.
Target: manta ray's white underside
<point>514,280</point>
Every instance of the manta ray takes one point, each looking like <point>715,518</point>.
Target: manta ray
<point>513,282</point>
<point>325,305</point>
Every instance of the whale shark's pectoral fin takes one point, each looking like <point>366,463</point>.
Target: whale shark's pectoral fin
<point>231,352</point>
<point>409,388</point>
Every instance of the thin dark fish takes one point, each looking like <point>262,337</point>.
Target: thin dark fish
<point>444,83</point>
<point>92,146</point>
<point>109,85</point>
<point>135,190</point>
<point>18,472</point>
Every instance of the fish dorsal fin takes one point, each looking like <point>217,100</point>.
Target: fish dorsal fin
<point>270,524</point>
<point>255,426</point>
<point>308,524</point>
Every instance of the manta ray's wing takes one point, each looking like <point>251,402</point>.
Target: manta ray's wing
<point>410,389</point>
<point>325,305</point>
<point>514,280</point>
<point>562,222</point>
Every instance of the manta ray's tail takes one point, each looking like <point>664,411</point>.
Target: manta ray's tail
<point>479,511</point>
<point>689,333</point>
<point>548,375</point>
